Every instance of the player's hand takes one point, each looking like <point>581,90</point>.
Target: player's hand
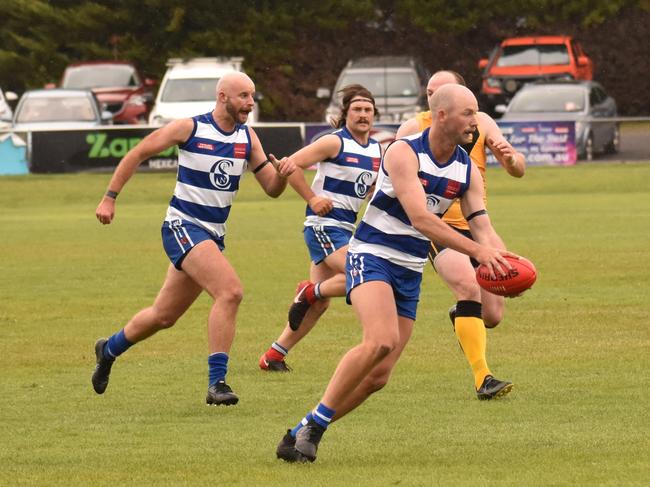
<point>494,260</point>
<point>320,205</point>
<point>105,210</point>
<point>503,150</point>
<point>285,166</point>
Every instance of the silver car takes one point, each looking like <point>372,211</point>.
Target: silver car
<point>59,108</point>
<point>584,102</point>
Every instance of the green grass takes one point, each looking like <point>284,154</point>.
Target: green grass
<point>576,347</point>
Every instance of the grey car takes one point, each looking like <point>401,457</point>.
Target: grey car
<point>584,102</point>
<point>398,84</point>
<point>59,109</point>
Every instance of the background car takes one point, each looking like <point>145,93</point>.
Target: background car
<point>398,84</point>
<point>583,102</point>
<point>189,88</point>
<point>520,60</point>
<point>6,114</point>
<point>118,86</point>
<point>59,108</point>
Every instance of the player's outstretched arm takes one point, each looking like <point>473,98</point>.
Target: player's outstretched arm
<point>326,147</point>
<point>174,133</point>
<point>512,161</point>
<point>272,177</point>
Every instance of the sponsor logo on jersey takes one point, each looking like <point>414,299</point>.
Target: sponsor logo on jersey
<point>352,159</point>
<point>205,146</point>
<point>432,203</point>
<point>240,150</point>
<point>424,182</point>
<point>453,187</point>
<point>375,163</point>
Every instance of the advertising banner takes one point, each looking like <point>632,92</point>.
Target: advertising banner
<point>543,143</point>
<point>102,149</point>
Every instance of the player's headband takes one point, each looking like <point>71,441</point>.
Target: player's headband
<point>359,98</point>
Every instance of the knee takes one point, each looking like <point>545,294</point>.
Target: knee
<point>163,320</point>
<point>492,313</point>
<point>232,295</point>
<point>492,320</point>
<point>381,348</point>
<point>375,382</point>
<point>320,306</point>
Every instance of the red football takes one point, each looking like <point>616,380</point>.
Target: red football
<point>520,278</point>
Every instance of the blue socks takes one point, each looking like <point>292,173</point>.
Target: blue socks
<point>217,366</point>
<point>321,415</point>
<point>116,345</point>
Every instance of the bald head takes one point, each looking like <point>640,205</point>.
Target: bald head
<point>441,78</point>
<point>234,82</point>
<point>449,96</point>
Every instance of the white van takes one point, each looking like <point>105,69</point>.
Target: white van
<point>188,88</point>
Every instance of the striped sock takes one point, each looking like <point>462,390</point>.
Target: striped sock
<point>276,352</point>
<point>217,367</point>
<point>116,345</point>
<point>323,415</point>
<point>317,293</point>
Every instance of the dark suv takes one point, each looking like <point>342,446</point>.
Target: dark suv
<point>398,84</point>
<point>118,86</point>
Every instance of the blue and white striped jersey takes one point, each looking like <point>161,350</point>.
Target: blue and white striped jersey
<point>210,165</point>
<point>386,231</point>
<point>346,180</point>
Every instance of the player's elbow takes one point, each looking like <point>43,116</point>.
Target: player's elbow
<point>420,221</point>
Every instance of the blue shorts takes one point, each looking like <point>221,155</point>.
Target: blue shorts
<point>324,240</point>
<point>360,268</point>
<point>180,236</point>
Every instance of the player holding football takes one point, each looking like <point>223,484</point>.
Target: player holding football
<point>476,308</point>
<point>214,151</point>
<point>347,160</point>
<point>418,180</point>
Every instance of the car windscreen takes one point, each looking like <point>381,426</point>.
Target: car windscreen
<point>59,109</point>
<point>535,55</point>
<point>100,76</point>
<point>549,99</point>
<point>380,84</point>
<point>189,89</point>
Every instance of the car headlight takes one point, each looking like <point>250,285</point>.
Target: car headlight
<point>493,82</point>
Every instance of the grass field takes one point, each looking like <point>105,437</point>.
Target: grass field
<point>576,347</point>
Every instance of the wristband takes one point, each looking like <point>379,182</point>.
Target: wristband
<point>112,194</point>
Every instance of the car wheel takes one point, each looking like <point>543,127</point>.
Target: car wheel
<point>614,145</point>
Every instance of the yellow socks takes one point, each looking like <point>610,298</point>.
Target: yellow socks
<point>472,336</point>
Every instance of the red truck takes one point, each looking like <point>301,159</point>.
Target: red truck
<point>520,60</point>
<point>118,85</point>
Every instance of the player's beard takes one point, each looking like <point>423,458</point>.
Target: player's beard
<point>234,113</point>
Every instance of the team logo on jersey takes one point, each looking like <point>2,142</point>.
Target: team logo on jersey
<point>453,187</point>
<point>363,182</point>
<point>219,177</point>
<point>432,203</point>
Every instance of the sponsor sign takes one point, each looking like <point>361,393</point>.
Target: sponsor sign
<point>102,149</point>
<point>543,143</point>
